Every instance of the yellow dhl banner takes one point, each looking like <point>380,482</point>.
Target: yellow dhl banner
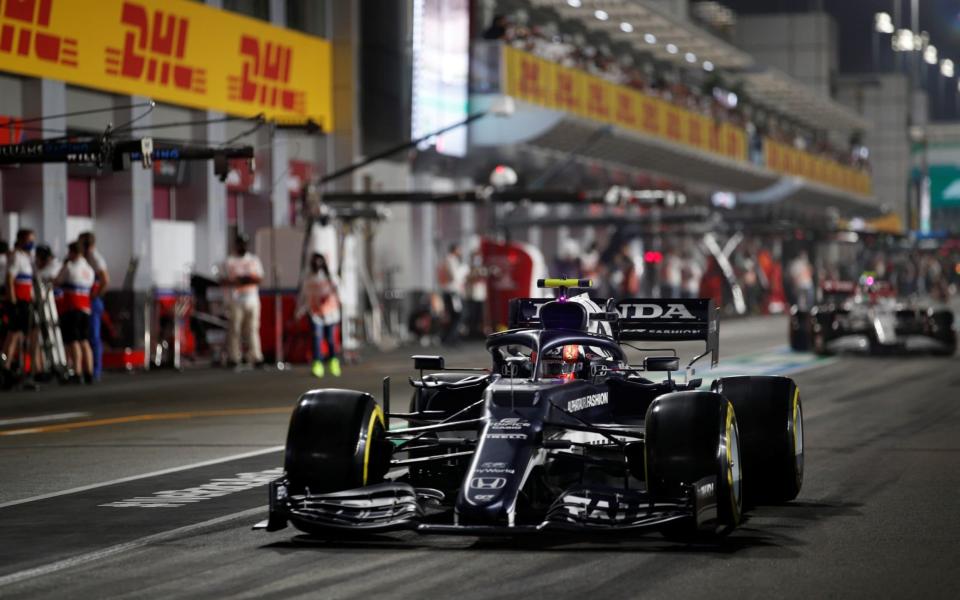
<point>784,158</point>
<point>538,81</point>
<point>173,51</point>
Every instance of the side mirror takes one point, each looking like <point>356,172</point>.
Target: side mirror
<point>661,363</point>
<point>423,362</point>
<point>599,370</point>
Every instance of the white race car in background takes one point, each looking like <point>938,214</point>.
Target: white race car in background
<point>867,315</point>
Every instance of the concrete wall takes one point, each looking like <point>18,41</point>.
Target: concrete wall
<point>884,99</point>
<point>803,45</point>
<point>10,100</point>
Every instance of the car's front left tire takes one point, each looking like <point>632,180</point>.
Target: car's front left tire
<point>693,437</point>
<point>336,442</point>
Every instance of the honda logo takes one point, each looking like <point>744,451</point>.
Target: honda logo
<point>654,311</point>
<point>488,483</point>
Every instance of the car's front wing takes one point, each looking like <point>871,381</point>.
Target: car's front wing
<point>394,506</point>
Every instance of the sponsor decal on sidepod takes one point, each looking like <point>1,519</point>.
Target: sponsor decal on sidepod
<point>587,402</point>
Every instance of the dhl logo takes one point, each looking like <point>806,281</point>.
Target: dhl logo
<point>153,49</point>
<point>23,33</point>
<point>530,79</point>
<point>265,76</point>
<point>596,100</point>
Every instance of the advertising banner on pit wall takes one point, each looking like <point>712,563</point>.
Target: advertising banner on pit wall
<point>544,83</point>
<point>547,84</point>
<point>173,51</point>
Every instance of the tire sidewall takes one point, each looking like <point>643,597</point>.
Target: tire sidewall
<point>770,416</point>
<point>336,441</point>
<point>688,438</point>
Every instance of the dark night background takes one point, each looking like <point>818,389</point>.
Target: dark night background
<point>941,18</point>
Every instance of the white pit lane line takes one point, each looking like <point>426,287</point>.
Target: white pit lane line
<point>144,476</point>
<point>44,418</point>
<point>81,559</point>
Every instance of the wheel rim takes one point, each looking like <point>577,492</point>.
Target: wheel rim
<point>734,470</point>
<point>376,418</point>
<point>796,425</point>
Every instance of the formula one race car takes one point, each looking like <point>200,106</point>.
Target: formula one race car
<point>866,315</point>
<point>560,433</point>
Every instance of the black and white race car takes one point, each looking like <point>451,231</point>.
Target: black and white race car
<point>560,432</point>
<point>867,316</point>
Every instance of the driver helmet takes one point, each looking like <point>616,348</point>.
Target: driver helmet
<point>563,365</point>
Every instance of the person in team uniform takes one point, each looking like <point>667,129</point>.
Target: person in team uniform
<point>4,297</point>
<point>243,274</point>
<point>318,298</point>
<point>452,276</point>
<point>88,247</point>
<point>76,279</point>
<point>19,294</point>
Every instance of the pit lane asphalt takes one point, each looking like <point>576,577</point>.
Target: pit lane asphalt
<point>877,515</point>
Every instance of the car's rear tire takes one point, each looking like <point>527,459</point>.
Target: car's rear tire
<point>770,415</point>
<point>336,442</point>
<point>943,332</point>
<point>822,334</point>
<point>683,433</point>
<point>799,330</point>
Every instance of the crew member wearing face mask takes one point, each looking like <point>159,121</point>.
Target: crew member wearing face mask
<point>318,298</point>
<point>19,293</point>
<point>243,275</point>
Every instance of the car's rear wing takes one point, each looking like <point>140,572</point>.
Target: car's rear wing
<point>642,319</point>
<point>670,320</point>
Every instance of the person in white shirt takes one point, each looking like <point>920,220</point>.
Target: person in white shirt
<point>453,281</point>
<point>672,275</point>
<point>243,273</point>
<point>46,264</point>
<point>318,299</point>
<point>801,276</point>
<point>19,294</point>
<point>88,247</point>
<point>77,278</point>
<point>692,274</point>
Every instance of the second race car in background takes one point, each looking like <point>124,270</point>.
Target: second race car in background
<point>867,315</point>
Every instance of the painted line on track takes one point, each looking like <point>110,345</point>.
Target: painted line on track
<point>92,486</point>
<point>44,418</point>
<point>75,561</point>
<point>147,417</point>
<point>779,360</point>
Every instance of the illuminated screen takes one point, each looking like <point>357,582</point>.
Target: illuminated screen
<point>440,67</point>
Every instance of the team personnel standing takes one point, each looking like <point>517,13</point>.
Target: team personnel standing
<point>243,273</point>
<point>318,298</point>
<point>76,279</point>
<point>19,294</point>
<point>453,283</point>
<point>4,296</point>
<point>88,246</point>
